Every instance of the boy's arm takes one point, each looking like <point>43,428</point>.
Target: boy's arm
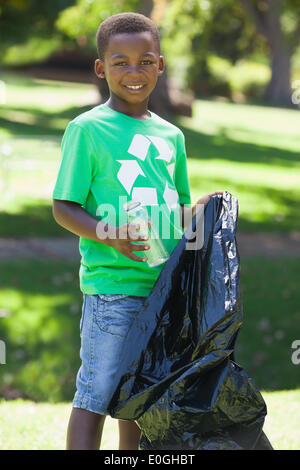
<point>74,218</point>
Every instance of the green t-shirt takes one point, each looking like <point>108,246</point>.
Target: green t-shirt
<point>109,158</point>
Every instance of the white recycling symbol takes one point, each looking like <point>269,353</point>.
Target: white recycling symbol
<point>130,170</point>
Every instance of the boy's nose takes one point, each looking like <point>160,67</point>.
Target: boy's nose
<point>134,70</point>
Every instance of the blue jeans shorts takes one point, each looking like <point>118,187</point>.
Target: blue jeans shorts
<point>104,324</point>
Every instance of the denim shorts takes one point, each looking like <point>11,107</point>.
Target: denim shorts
<point>104,324</point>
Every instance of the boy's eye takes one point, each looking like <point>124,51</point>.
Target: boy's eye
<point>143,62</point>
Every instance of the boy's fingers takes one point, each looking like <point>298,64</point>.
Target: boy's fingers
<point>126,227</point>
<point>138,238</point>
<point>136,247</point>
<point>137,258</point>
<point>133,226</point>
<point>132,232</point>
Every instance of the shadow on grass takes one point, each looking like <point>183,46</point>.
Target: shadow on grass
<point>34,221</point>
<point>220,146</point>
<point>41,303</point>
<point>289,201</point>
<point>36,121</point>
<point>67,113</point>
<point>41,307</point>
<point>198,144</point>
<point>37,220</point>
<point>40,127</point>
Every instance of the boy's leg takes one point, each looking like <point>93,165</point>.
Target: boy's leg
<point>129,435</point>
<point>84,430</point>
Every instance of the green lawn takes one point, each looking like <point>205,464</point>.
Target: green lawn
<point>40,306</point>
<point>254,153</point>
<point>251,151</point>
<point>40,426</point>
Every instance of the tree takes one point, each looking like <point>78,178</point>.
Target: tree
<point>234,30</point>
<point>203,28</point>
<point>23,19</point>
<point>279,22</point>
<point>82,20</point>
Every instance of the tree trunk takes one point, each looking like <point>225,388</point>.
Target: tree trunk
<point>159,101</point>
<point>279,88</point>
<point>268,23</point>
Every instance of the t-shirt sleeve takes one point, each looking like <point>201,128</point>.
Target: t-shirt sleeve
<point>181,173</point>
<point>76,167</point>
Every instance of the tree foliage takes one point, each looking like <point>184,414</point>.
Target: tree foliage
<point>24,19</point>
<point>82,19</point>
<point>191,31</point>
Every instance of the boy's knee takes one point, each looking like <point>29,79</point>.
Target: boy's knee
<point>87,415</point>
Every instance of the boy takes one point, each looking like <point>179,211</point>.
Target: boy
<point>116,150</point>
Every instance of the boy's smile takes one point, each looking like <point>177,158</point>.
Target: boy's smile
<point>131,67</point>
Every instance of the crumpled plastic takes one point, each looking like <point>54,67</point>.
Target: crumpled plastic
<point>179,379</point>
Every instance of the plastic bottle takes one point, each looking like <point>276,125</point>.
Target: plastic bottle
<point>138,215</point>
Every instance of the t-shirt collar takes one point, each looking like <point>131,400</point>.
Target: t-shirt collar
<point>125,116</point>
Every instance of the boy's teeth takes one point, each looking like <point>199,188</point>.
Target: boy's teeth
<point>134,87</point>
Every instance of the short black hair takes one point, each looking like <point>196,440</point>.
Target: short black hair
<point>127,22</point>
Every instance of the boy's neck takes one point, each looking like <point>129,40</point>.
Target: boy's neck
<point>134,110</point>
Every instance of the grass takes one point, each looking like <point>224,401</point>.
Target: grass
<point>251,151</point>
<point>271,315</point>
<point>41,306</point>
<point>27,425</point>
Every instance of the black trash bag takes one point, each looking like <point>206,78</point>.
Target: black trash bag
<point>178,379</point>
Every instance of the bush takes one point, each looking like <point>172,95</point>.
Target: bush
<point>249,79</point>
<point>245,78</point>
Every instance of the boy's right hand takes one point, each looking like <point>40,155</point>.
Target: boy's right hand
<point>122,241</point>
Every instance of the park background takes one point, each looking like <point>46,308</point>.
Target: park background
<point>232,84</point>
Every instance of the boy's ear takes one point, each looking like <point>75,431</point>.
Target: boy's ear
<point>99,68</point>
<point>161,65</point>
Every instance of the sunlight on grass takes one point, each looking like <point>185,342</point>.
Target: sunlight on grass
<point>40,311</point>
<point>49,95</point>
<point>274,126</point>
<point>25,324</point>
<point>261,194</point>
<point>282,421</point>
<point>40,308</point>
<point>41,426</point>
<point>250,151</point>
<point>37,426</point>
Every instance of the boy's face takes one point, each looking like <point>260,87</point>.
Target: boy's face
<point>131,60</point>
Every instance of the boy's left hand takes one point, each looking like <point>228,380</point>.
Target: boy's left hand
<point>205,199</point>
